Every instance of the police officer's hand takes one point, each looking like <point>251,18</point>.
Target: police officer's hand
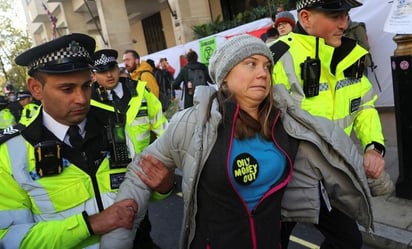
<point>120,214</point>
<point>373,163</point>
<point>155,174</point>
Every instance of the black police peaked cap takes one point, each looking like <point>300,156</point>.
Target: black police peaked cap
<point>326,5</point>
<point>104,60</point>
<point>65,54</point>
<point>23,94</point>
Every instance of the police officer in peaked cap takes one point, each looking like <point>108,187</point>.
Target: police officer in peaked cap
<point>6,117</point>
<point>69,53</point>
<point>56,168</point>
<point>129,98</point>
<point>104,60</point>
<point>16,107</point>
<point>330,84</point>
<point>23,94</point>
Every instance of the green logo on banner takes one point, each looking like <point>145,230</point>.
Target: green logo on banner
<point>207,47</point>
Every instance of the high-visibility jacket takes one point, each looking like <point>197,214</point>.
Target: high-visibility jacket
<point>6,118</point>
<point>28,112</point>
<point>143,116</point>
<point>347,100</point>
<point>48,211</point>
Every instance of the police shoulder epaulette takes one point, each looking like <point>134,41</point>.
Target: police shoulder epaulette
<point>10,132</point>
<point>278,49</point>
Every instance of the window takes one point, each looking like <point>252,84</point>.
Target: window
<point>153,33</point>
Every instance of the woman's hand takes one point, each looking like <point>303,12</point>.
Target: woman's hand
<point>155,174</point>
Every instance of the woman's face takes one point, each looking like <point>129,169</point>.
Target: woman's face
<point>250,81</point>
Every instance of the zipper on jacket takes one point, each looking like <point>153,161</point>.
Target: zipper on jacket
<point>208,246</point>
<point>252,228</point>
<point>249,212</point>
<point>91,171</point>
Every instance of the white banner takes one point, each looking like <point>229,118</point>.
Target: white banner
<point>373,13</point>
<point>173,54</point>
<point>399,20</point>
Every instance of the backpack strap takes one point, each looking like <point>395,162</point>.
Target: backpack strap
<point>144,71</point>
<point>278,49</point>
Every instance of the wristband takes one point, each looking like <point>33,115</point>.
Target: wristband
<point>376,147</point>
<point>157,196</point>
<point>170,190</point>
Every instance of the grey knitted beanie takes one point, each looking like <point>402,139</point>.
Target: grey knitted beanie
<point>232,52</point>
<point>285,16</point>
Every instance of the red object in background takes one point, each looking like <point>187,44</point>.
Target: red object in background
<point>183,60</point>
<point>257,32</point>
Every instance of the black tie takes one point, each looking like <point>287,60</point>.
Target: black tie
<point>76,140</point>
<point>117,105</point>
<point>114,96</point>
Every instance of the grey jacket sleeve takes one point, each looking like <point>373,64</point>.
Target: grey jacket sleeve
<point>133,188</point>
<point>328,160</point>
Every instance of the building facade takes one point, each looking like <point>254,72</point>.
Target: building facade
<point>144,25</point>
<point>147,26</point>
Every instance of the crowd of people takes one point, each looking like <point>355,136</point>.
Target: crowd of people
<point>268,146</point>
<point>16,107</point>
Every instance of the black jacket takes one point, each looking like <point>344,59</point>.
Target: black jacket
<point>184,76</point>
<point>223,221</point>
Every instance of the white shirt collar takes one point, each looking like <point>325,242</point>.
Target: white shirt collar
<point>58,129</point>
<point>118,90</point>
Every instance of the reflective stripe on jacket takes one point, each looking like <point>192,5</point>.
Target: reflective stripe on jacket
<point>28,112</point>
<point>348,101</point>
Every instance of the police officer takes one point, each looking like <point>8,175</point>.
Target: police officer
<point>139,112</point>
<point>323,72</point>
<point>24,98</point>
<point>57,183</point>
<point>138,108</point>
<point>28,112</point>
<point>6,117</point>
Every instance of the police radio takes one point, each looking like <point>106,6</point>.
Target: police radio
<point>119,153</point>
<point>48,158</point>
<point>310,74</point>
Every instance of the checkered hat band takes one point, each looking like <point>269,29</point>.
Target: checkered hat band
<point>305,3</point>
<point>64,55</point>
<point>104,60</point>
